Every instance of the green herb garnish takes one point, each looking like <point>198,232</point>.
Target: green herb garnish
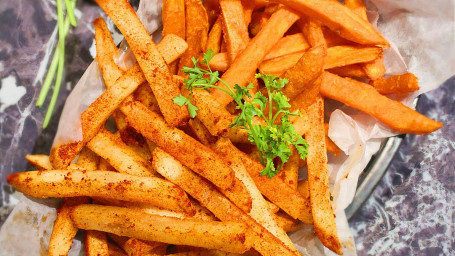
<point>274,139</point>
<point>58,60</point>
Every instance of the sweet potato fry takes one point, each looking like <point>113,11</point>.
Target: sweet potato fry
<point>64,183</point>
<point>119,155</point>
<point>259,209</point>
<point>279,65</point>
<point>258,20</point>
<point>338,17</point>
<point>338,56</point>
<point>203,191</point>
<point>215,36</point>
<point>173,16</point>
<point>354,70</point>
<point>288,44</point>
<point>331,146</point>
<point>357,7</point>
<point>246,63</point>
<point>212,7</point>
<point>318,179</point>
<point>334,39</point>
<point>96,243</point>
<point>188,150</point>
<point>365,98</point>
<point>227,236</point>
<point>40,162</point>
<point>234,27</point>
<point>248,8</point>
<point>397,84</point>
<point>151,62</point>
<point>197,28</point>
<point>305,72</point>
<point>312,32</point>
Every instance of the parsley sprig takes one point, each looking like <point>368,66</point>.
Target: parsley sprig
<point>273,139</point>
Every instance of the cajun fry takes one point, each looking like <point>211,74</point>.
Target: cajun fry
<point>96,243</point>
<point>40,162</point>
<point>64,183</point>
<point>227,236</point>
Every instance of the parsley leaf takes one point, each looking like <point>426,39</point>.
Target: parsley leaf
<point>274,139</point>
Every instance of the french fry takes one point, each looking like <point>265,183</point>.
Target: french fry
<point>203,191</point>
<point>150,60</point>
<point>114,250</point>
<point>212,8</point>
<point>119,155</point>
<point>339,18</point>
<point>215,36</point>
<point>227,236</point>
<point>197,28</point>
<point>288,44</point>
<point>234,27</point>
<point>354,70</point>
<point>211,113</point>
<point>246,63</point>
<point>357,7</point>
<point>279,65</point>
<point>64,231</point>
<point>286,222</point>
<point>259,209</point>
<point>338,56</point>
<point>397,84</point>
<point>331,146</point>
<point>111,185</point>
<point>93,118</point>
<point>258,20</point>
<point>303,189</point>
<point>134,246</point>
<point>290,171</point>
<point>144,95</point>
<point>318,179</point>
<point>105,166</point>
<point>96,243</point>
<point>201,132</point>
<point>312,32</point>
<point>248,8</point>
<point>277,191</point>
<point>40,162</point>
<point>173,16</point>
<point>171,47</point>
<point>305,72</point>
<point>188,150</point>
<point>365,98</point>
<point>334,39</point>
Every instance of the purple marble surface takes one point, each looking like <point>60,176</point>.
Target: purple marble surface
<point>411,212</point>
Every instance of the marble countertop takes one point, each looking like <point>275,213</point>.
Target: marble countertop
<point>411,211</point>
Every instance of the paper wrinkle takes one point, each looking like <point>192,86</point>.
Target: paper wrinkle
<point>31,221</point>
<point>420,39</point>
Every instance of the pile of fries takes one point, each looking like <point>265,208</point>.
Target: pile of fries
<point>167,184</point>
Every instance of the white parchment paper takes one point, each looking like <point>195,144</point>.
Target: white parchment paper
<point>422,38</point>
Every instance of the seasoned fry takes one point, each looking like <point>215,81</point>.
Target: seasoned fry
<point>259,209</point>
<point>304,189</point>
<point>357,7</point>
<point>304,73</point>
<point>365,98</point>
<point>134,246</point>
<point>279,65</point>
<point>96,243</point>
<point>258,20</point>
<point>354,70</point>
<point>290,171</point>
<point>212,8</point>
<point>338,56</point>
<point>201,132</point>
<point>215,36</point>
<point>114,250</point>
<point>318,179</point>
<point>197,27</point>
<point>286,222</point>
<point>334,39</point>
<point>111,185</point>
<point>397,84</point>
<point>151,62</point>
<point>40,162</point>
<point>119,155</point>
<point>171,47</point>
<point>312,32</point>
<point>339,18</point>
<point>331,146</point>
<point>234,27</point>
<point>246,63</point>
<point>188,150</point>
<point>203,191</point>
<point>227,236</point>
<point>288,44</point>
<point>173,17</point>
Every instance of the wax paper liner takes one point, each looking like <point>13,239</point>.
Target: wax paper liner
<point>422,40</point>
